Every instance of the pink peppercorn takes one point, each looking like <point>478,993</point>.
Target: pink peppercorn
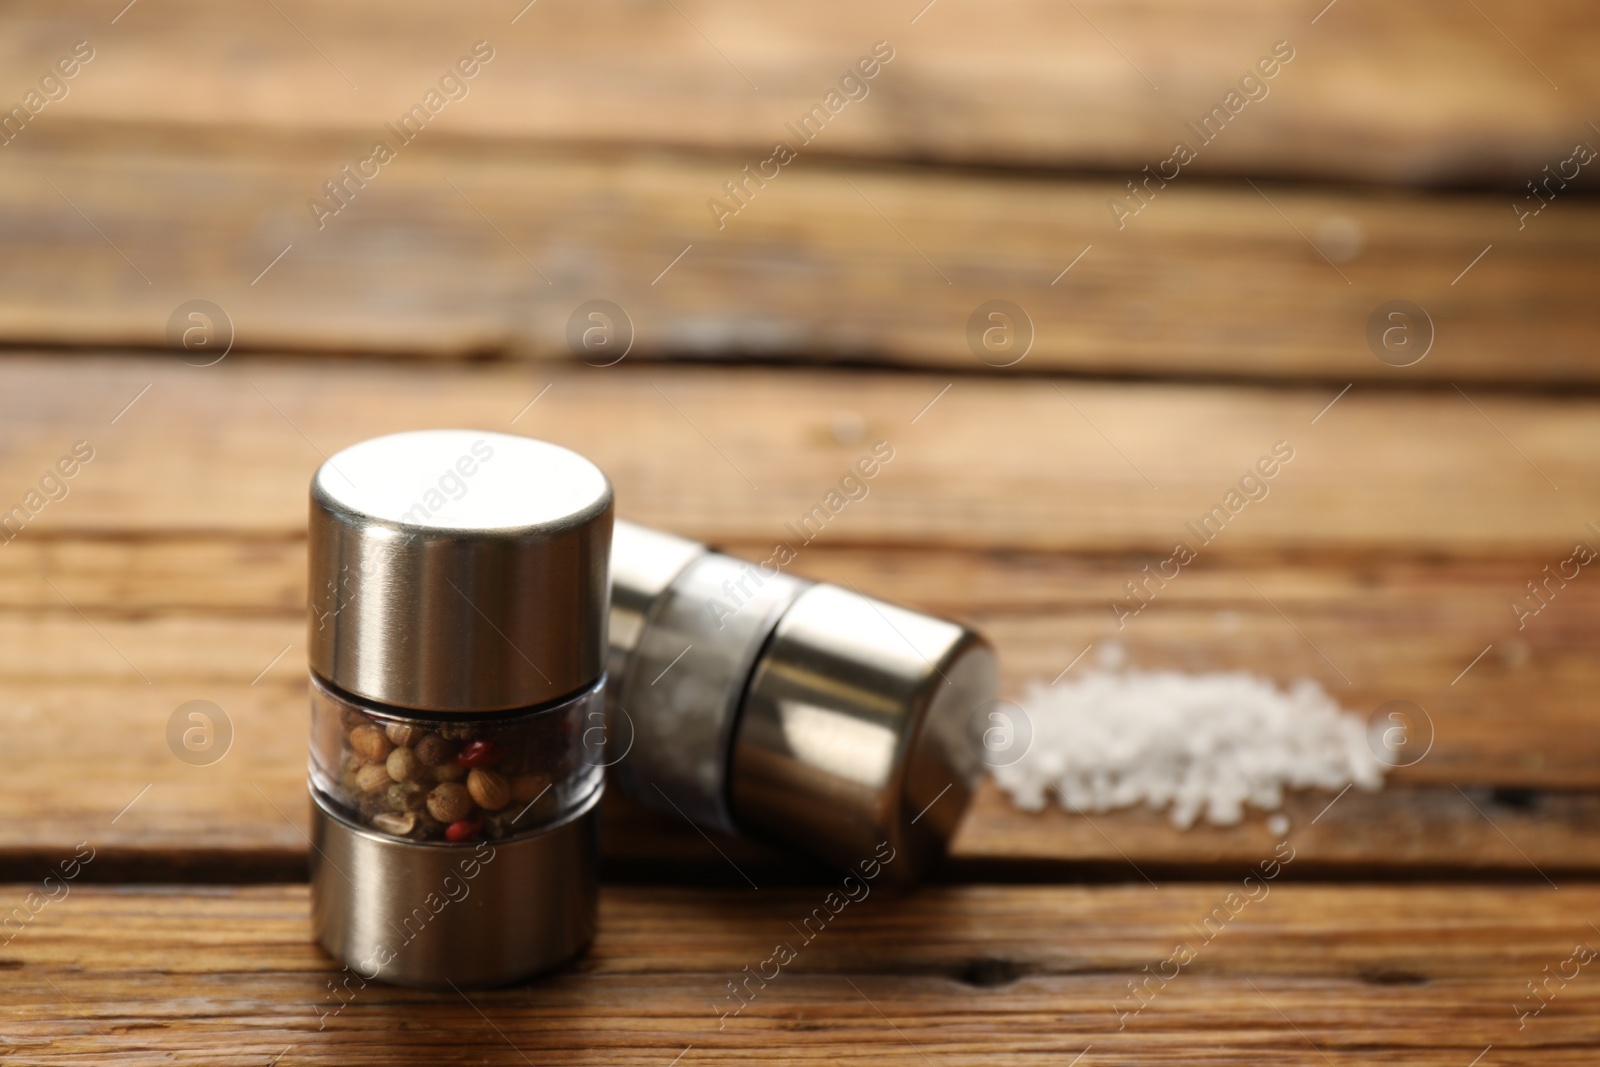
<point>463,830</point>
<point>481,754</point>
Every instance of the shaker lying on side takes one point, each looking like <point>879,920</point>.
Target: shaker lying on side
<point>457,646</point>
<point>802,713</point>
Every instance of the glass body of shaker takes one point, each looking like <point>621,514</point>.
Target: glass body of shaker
<point>455,779</point>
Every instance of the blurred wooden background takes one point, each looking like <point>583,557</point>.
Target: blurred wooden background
<point>1390,159</point>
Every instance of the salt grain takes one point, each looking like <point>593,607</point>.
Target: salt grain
<point>1195,745</point>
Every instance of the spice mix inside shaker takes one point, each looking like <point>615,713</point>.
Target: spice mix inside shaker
<point>458,598</point>
<point>803,713</point>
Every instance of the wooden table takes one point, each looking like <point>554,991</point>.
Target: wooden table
<point>1444,920</point>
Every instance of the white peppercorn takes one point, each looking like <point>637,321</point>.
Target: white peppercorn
<point>370,743</point>
<point>404,766</point>
<point>489,788</point>
<point>373,777</point>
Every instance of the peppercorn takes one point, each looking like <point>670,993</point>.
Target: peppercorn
<point>449,772</point>
<point>481,754</point>
<point>404,766</point>
<point>463,830</point>
<point>373,777</point>
<point>449,802</point>
<point>369,743</point>
<point>406,734</point>
<point>434,750</point>
<point>489,788</point>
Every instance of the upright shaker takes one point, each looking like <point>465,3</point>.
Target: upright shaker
<point>751,701</point>
<point>457,646</point>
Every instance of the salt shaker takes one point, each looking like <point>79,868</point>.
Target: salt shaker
<point>810,715</point>
<point>457,645</point>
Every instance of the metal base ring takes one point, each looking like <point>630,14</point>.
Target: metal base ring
<point>431,915</point>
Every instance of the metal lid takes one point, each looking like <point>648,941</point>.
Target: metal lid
<point>459,571</point>
<point>644,562</point>
<point>855,731</point>
<point>680,696</point>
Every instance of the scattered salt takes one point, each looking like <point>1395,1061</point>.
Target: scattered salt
<point>1192,744</point>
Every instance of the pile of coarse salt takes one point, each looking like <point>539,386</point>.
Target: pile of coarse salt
<point>1197,744</point>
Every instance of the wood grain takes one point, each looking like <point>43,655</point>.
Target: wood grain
<point>1382,563</point>
<point>733,455</point>
<point>458,250</point>
<point>1513,734</point>
<point>1303,975</point>
<point>1421,625</point>
<point>1429,92</point>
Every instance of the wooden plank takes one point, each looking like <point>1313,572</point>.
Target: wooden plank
<point>1398,630</point>
<point>457,249</point>
<point>140,576</point>
<point>1303,975</point>
<point>170,572</point>
<point>1403,832</point>
<point>1432,92</point>
<point>1025,464</point>
<point>1513,733</point>
<point>173,573</point>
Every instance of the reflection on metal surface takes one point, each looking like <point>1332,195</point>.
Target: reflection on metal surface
<point>852,749</point>
<point>431,915</point>
<point>854,730</point>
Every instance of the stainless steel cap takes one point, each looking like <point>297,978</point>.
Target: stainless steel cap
<point>644,563</point>
<point>679,698</point>
<point>855,731</point>
<point>459,571</point>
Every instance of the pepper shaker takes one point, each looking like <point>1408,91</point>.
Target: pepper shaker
<point>457,646</point>
<point>810,715</point>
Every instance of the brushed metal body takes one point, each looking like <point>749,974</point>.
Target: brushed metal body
<point>855,731</point>
<point>488,597</point>
<point>644,563</point>
<point>686,682</point>
<point>813,716</point>
<point>429,915</point>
